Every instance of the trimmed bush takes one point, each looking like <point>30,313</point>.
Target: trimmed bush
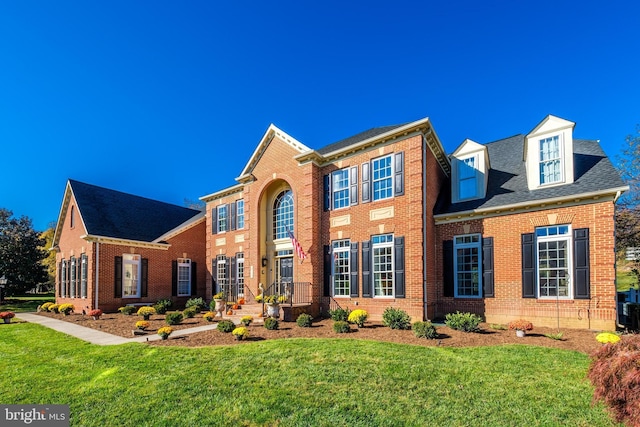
<point>209,316</point>
<point>396,318</point>
<point>162,305</point>
<point>127,309</point>
<point>66,308</point>
<point>615,375</point>
<point>271,323</point>
<point>45,306</point>
<point>358,317</point>
<point>197,303</point>
<point>53,308</point>
<point>339,314</point>
<point>424,330</point>
<point>173,318</point>
<point>190,312</point>
<point>226,326</point>
<point>341,327</point>
<point>146,312</point>
<point>304,320</point>
<point>246,320</point>
<point>465,322</point>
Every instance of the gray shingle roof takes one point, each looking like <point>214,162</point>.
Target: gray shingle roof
<point>120,215</point>
<point>507,181</point>
<point>357,138</point>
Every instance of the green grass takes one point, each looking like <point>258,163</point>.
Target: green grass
<point>296,382</point>
<point>26,303</point>
<point>626,280</point>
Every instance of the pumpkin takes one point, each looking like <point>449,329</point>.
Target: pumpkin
<point>230,312</point>
<point>241,301</point>
<point>234,306</point>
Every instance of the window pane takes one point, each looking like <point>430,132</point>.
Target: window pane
<point>341,272</point>
<point>340,188</point>
<point>240,214</point>
<point>283,215</point>
<point>553,268</point>
<point>550,160</point>
<point>382,181</point>
<point>467,265</point>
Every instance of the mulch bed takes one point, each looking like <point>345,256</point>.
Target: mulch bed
<point>122,325</point>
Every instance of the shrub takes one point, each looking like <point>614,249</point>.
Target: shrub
<point>520,325</point>
<point>304,320</point>
<point>96,312</point>
<point>162,305</point>
<point>127,309</point>
<point>557,337</point>
<point>396,318</point>
<point>197,303</point>
<point>45,306</point>
<point>142,324</point>
<point>219,295</point>
<point>246,320</point>
<point>341,327</point>
<point>53,308</point>
<point>173,318</point>
<point>226,326</point>
<point>607,337</point>
<point>498,327</point>
<point>339,314</point>
<point>259,298</point>
<point>165,331</point>
<point>358,317</point>
<point>190,312</point>
<point>424,330</point>
<point>615,375</point>
<point>209,316</point>
<point>7,315</point>
<point>66,308</point>
<point>145,312</point>
<point>271,323</point>
<point>465,322</point>
<point>240,333</point>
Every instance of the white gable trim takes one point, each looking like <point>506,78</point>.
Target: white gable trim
<point>192,222</point>
<point>66,201</point>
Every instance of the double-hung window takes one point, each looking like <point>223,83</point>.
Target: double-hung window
<point>84,273</point>
<point>240,271</point>
<point>382,251</point>
<point>550,160</point>
<point>554,258</point>
<point>340,188</point>
<point>223,218</point>
<point>467,266</point>
<point>467,173</point>
<point>239,214</point>
<point>184,277</point>
<point>341,270</point>
<point>74,278</point>
<point>221,263</point>
<point>382,178</point>
<point>131,276</point>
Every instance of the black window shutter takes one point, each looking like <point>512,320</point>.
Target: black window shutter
<point>232,273</point>
<point>232,215</point>
<point>366,183</point>
<point>78,276</point>
<point>214,276</point>
<point>327,270</point>
<point>581,269</point>
<point>214,220</point>
<point>60,277</point>
<point>353,267</point>
<point>327,192</point>
<point>145,277</point>
<point>117,277</point>
<point>487,267</point>
<point>447,268</point>
<point>398,259</point>
<point>174,278</point>
<point>68,281</point>
<point>227,270</point>
<point>353,185</point>
<point>194,279</point>
<point>85,276</point>
<point>398,171</point>
<point>528,266</point>
<point>366,269</point>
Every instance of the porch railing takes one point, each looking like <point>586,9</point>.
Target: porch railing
<point>296,293</point>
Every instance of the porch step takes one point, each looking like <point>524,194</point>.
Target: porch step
<point>252,309</point>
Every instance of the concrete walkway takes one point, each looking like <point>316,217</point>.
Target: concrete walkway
<point>98,337</point>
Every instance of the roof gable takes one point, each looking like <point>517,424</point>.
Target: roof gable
<point>114,214</point>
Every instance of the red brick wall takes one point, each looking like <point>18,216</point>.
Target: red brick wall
<point>190,243</point>
<point>597,313</point>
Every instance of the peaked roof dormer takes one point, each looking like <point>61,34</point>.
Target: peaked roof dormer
<point>469,171</point>
<point>548,153</point>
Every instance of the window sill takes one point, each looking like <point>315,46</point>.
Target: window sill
<point>548,300</point>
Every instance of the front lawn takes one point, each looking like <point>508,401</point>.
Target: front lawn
<point>26,303</point>
<point>291,382</point>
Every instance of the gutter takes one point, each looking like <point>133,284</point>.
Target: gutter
<point>424,229</point>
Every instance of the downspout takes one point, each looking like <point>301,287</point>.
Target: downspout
<point>95,291</point>
<point>424,228</point>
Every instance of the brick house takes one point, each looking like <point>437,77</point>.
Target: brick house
<point>114,249</point>
<point>521,227</point>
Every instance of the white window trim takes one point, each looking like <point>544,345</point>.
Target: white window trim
<point>221,218</point>
<point>239,269</point>
<point>134,260</point>
<point>569,238</point>
<point>560,158</point>
<point>476,164</point>
<point>457,246</point>
<point>347,249</point>
<point>393,267</point>
<point>373,180</point>
<point>183,262</point>
<point>239,215</point>
<point>334,191</point>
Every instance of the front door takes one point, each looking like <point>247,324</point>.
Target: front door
<point>285,275</point>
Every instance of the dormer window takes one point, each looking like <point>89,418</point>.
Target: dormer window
<point>550,160</point>
<point>467,178</point>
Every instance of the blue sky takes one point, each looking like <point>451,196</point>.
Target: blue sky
<point>168,99</point>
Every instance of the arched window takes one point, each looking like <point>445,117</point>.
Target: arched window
<point>283,215</point>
